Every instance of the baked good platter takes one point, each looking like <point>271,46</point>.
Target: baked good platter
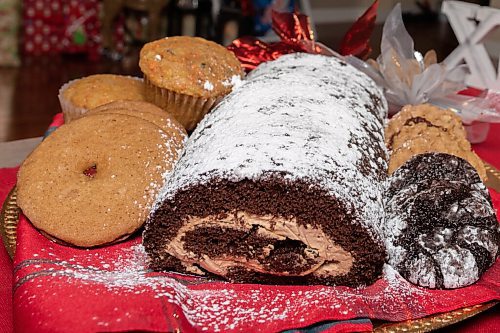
<point>9,218</point>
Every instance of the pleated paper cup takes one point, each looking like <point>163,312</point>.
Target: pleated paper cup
<point>187,109</point>
<point>70,111</point>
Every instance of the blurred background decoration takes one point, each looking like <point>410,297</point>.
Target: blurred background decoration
<point>113,27</point>
<point>44,43</point>
<point>9,26</point>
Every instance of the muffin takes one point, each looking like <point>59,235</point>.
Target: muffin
<point>79,96</point>
<point>188,76</point>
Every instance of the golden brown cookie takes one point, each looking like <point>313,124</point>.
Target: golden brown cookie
<point>133,105</point>
<point>79,96</point>
<point>418,129</point>
<point>188,76</point>
<point>93,181</point>
<point>421,117</point>
<point>407,133</point>
<point>143,110</point>
<point>425,144</point>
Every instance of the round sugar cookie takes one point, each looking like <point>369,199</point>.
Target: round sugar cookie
<point>93,181</point>
<point>144,110</point>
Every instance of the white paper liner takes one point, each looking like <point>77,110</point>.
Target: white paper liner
<point>71,111</point>
<point>188,110</point>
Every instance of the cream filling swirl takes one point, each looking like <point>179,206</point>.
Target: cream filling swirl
<point>329,259</point>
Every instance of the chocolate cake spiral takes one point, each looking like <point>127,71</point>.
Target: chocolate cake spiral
<point>441,229</point>
<point>282,182</point>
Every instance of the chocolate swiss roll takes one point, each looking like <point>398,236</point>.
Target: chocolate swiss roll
<point>282,182</point>
<point>441,229</point>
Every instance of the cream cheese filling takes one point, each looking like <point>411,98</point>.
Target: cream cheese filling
<point>329,258</point>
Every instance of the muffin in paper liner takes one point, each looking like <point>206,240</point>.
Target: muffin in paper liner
<point>188,76</point>
<point>188,110</point>
<point>72,110</point>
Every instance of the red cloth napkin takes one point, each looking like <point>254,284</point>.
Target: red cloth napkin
<point>7,181</point>
<point>110,289</point>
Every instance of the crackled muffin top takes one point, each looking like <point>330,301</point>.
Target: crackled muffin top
<point>190,65</point>
<point>96,90</point>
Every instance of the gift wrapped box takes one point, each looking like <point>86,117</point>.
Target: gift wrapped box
<point>65,26</point>
<point>43,26</point>
<point>81,33</point>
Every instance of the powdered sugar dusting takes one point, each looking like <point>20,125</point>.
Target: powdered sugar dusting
<point>308,117</point>
<point>216,306</point>
<point>168,149</point>
<point>440,230</point>
<point>208,85</point>
<point>234,82</point>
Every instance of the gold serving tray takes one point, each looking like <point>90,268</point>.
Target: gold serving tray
<point>9,217</point>
<point>493,177</point>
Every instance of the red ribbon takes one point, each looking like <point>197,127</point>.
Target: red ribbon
<point>296,35</point>
<point>292,27</point>
<point>356,40</point>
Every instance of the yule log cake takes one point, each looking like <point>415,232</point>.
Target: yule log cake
<point>282,182</point>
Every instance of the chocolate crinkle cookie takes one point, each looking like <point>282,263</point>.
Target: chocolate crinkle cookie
<point>441,229</point>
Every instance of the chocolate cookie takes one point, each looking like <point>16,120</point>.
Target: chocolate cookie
<point>441,230</point>
<point>423,167</point>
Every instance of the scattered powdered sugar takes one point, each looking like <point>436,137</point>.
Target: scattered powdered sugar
<point>218,306</point>
<point>398,287</point>
<point>168,151</point>
<point>174,151</point>
<point>449,243</point>
<point>234,82</point>
<point>308,117</point>
<point>458,266</point>
<point>208,85</point>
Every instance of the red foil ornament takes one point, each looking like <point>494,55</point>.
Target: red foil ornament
<point>292,27</point>
<point>356,40</point>
<point>296,34</point>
